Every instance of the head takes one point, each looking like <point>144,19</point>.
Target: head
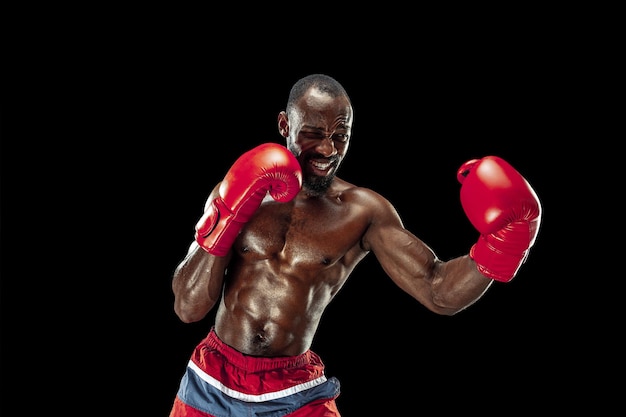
<point>317,125</point>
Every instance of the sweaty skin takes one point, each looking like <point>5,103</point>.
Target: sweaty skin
<point>291,259</point>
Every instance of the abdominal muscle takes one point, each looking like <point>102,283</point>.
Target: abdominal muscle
<point>264,314</point>
<point>288,263</point>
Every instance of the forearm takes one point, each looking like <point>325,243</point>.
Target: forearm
<point>197,284</point>
<point>457,284</point>
<point>443,287</point>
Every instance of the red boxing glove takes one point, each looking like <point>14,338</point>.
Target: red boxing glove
<point>504,208</point>
<point>269,167</point>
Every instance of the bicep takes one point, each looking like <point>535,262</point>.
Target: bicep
<point>406,259</point>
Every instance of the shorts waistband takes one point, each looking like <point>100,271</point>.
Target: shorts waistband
<point>258,363</point>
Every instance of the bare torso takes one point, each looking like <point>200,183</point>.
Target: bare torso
<point>288,263</point>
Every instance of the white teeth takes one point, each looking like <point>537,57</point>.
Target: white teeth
<point>320,166</point>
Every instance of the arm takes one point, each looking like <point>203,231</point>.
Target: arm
<point>198,279</point>
<point>443,287</point>
<point>268,168</point>
<point>197,283</point>
<point>500,204</point>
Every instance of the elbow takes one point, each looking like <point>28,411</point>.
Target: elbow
<point>446,311</point>
<point>188,313</point>
<point>446,306</point>
<point>449,305</point>
<point>188,318</point>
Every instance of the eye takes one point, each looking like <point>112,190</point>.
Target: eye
<point>340,137</point>
<point>312,135</point>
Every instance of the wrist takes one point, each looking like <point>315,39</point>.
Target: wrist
<point>494,263</point>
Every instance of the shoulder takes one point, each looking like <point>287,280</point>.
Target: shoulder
<point>361,196</point>
<point>380,215</point>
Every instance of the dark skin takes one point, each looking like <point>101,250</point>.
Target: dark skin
<point>291,259</point>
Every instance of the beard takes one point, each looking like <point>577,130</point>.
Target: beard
<point>314,185</point>
<point>317,186</point>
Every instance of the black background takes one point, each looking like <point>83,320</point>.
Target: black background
<point>112,143</point>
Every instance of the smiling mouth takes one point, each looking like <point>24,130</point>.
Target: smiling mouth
<point>320,166</point>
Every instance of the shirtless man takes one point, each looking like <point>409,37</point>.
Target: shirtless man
<point>281,234</point>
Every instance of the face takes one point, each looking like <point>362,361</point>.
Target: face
<point>318,133</point>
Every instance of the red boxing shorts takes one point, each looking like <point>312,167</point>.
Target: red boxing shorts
<point>221,381</point>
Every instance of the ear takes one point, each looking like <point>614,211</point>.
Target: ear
<point>283,124</point>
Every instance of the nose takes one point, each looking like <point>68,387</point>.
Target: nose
<point>326,147</point>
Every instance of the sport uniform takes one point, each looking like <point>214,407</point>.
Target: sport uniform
<point>223,382</point>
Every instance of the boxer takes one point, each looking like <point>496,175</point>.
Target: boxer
<point>281,234</point>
